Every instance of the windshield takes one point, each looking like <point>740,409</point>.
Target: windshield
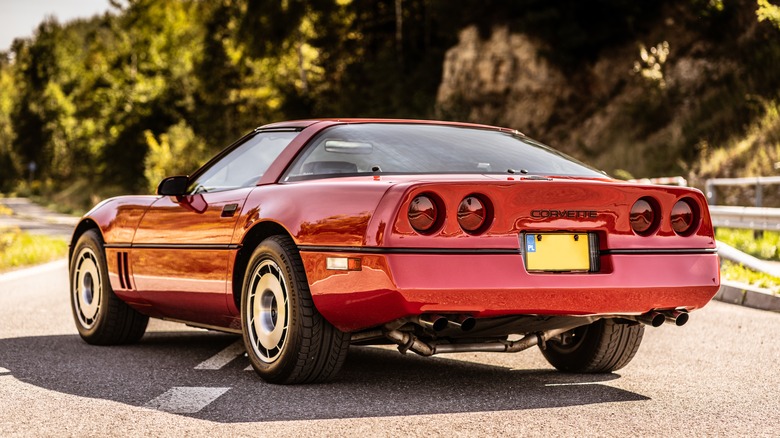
<point>376,148</point>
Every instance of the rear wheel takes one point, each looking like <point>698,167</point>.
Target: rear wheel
<point>286,339</point>
<point>101,318</point>
<point>601,347</point>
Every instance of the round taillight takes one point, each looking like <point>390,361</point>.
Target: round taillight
<point>643,217</point>
<point>683,217</point>
<point>423,213</point>
<point>472,214</point>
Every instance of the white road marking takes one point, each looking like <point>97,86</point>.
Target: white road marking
<point>4,371</point>
<point>249,368</point>
<point>35,270</point>
<point>185,399</point>
<point>222,358</point>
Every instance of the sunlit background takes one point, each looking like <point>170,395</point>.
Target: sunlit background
<point>100,98</point>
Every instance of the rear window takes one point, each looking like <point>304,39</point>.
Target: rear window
<point>347,150</point>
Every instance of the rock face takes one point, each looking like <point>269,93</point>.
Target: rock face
<point>501,81</point>
<point>608,112</point>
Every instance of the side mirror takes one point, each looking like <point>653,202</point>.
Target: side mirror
<point>173,186</point>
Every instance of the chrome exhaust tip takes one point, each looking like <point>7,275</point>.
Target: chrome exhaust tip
<point>654,319</point>
<point>676,317</point>
<point>435,322</point>
<point>466,322</point>
<point>463,322</point>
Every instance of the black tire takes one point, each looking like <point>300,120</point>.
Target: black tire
<point>101,318</point>
<point>602,347</point>
<point>286,339</point>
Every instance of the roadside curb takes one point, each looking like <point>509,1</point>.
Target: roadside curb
<point>748,296</point>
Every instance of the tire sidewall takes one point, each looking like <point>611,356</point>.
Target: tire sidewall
<point>283,366</point>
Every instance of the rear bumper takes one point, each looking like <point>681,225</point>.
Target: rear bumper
<point>392,286</point>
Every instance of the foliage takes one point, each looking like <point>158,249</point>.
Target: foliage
<point>736,272</point>
<point>10,169</point>
<point>18,249</point>
<point>110,103</point>
<point>177,152</point>
<point>651,63</point>
<point>766,247</point>
<point>769,12</point>
<point>753,153</point>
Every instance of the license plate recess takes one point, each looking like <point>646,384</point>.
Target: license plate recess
<point>558,252</point>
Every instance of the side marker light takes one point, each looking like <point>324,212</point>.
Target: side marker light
<point>344,264</point>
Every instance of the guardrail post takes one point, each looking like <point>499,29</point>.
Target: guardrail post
<point>709,188</point>
<point>758,234</point>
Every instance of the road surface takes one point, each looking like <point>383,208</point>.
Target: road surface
<point>717,375</point>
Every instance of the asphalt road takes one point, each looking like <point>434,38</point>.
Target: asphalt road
<point>718,375</point>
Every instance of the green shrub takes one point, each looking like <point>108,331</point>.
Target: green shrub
<point>18,248</point>
<point>176,152</point>
<point>767,247</point>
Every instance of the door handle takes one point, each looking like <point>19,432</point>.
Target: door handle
<point>229,210</point>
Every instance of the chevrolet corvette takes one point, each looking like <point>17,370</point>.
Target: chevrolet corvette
<point>306,237</point>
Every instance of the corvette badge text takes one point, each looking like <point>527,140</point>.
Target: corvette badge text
<point>570,214</point>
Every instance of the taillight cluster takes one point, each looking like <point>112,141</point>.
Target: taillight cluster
<point>645,216</point>
<point>426,213</point>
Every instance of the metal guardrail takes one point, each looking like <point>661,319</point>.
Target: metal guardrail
<point>751,218</point>
<point>758,181</point>
<point>730,253</point>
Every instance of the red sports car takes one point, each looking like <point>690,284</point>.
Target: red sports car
<point>308,236</point>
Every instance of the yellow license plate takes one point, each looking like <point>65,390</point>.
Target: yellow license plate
<point>559,252</point>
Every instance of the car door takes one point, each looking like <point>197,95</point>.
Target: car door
<point>182,247</point>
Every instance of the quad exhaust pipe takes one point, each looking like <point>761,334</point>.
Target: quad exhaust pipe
<point>408,341</point>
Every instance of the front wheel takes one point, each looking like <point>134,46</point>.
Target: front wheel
<point>286,339</point>
<point>101,318</point>
<point>601,347</point>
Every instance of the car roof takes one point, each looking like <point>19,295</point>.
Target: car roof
<point>301,124</point>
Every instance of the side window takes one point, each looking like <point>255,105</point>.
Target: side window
<point>244,165</point>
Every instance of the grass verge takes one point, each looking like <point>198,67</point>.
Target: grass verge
<point>18,249</point>
<point>736,272</point>
<point>766,247</point>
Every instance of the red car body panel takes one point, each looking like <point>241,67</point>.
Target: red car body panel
<point>175,257</point>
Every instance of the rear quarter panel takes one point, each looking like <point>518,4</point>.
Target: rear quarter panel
<point>323,212</point>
